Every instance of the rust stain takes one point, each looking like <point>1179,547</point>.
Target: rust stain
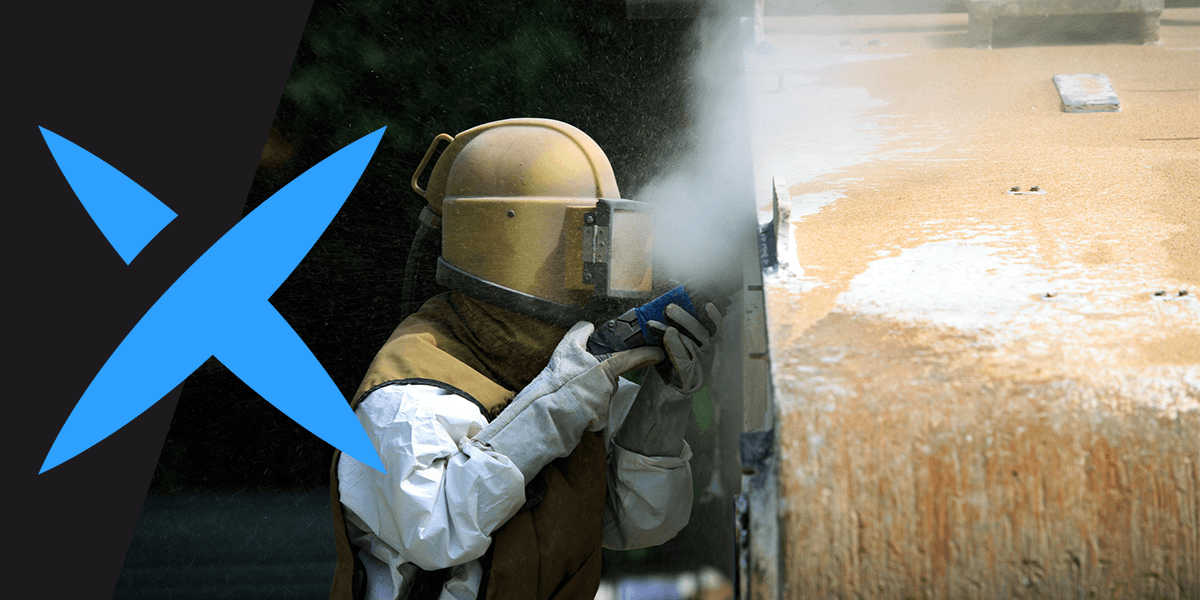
<point>914,466</point>
<point>1099,253</point>
<point>1180,349</point>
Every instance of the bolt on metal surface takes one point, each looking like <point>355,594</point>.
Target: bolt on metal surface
<point>1033,189</point>
<point>1169,295</point>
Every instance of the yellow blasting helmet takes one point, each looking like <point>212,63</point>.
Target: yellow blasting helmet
<point>532,220</point>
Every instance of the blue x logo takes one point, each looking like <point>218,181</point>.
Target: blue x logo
<point>219,306</point>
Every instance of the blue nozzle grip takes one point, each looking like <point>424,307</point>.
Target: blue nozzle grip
<point>654,309</point>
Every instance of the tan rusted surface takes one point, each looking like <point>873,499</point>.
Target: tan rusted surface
<point>979,395</point>
<point>915,466</point>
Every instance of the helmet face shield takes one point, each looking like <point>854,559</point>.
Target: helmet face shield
<point>555,259</point>
<point>617,249</point>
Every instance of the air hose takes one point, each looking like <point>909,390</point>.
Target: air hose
<point>427,238</point>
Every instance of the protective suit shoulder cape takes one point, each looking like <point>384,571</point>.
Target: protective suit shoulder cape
<point>549,550</point>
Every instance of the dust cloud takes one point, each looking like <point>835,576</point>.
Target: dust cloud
<point>704,212</point>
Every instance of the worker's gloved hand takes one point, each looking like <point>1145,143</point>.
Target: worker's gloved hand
<point>571,395</point>
<point>656,421</point>
<point>690,346</point>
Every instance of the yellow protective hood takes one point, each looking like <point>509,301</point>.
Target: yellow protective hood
<point>495,352</point>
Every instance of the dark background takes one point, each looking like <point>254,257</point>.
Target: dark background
<point>179,98</point>
<point>420,69</point>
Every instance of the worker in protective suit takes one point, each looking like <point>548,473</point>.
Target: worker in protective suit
<point>513,454</point>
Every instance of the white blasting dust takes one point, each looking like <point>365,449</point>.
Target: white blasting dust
<point>989,283</point>
<point>964,284</point>
<point>810,204</point>
<point>801,131</point>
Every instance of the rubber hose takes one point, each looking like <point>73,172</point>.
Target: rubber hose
<point>416,256</point>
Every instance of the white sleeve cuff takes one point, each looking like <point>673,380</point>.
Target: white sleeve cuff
<point>649,498</point>
<point>442,496</point>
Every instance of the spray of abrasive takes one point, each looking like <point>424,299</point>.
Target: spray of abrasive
<point>703,204</point>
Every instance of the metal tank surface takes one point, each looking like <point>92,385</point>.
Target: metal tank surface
<point>975,369</point>
<point>985,12</point>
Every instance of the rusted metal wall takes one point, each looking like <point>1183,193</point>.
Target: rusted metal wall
<point>914,464</point>
<point>979,394</point>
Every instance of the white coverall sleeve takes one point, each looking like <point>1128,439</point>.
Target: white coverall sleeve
<point>649,497</point>
<point>442,497</point>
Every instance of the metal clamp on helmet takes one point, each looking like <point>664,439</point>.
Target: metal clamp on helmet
<point>532,221</point>
<point>618,243</point>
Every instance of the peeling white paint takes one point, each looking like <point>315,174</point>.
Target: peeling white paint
<point>960,283</point>
<point>994,284</point>
<point>804,205</point>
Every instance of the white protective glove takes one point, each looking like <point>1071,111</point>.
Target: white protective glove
<point>691,352</point>
<point>572,394</point>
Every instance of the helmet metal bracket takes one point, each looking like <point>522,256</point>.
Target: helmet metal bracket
<point>598,245</point>
<point>442,137</point>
